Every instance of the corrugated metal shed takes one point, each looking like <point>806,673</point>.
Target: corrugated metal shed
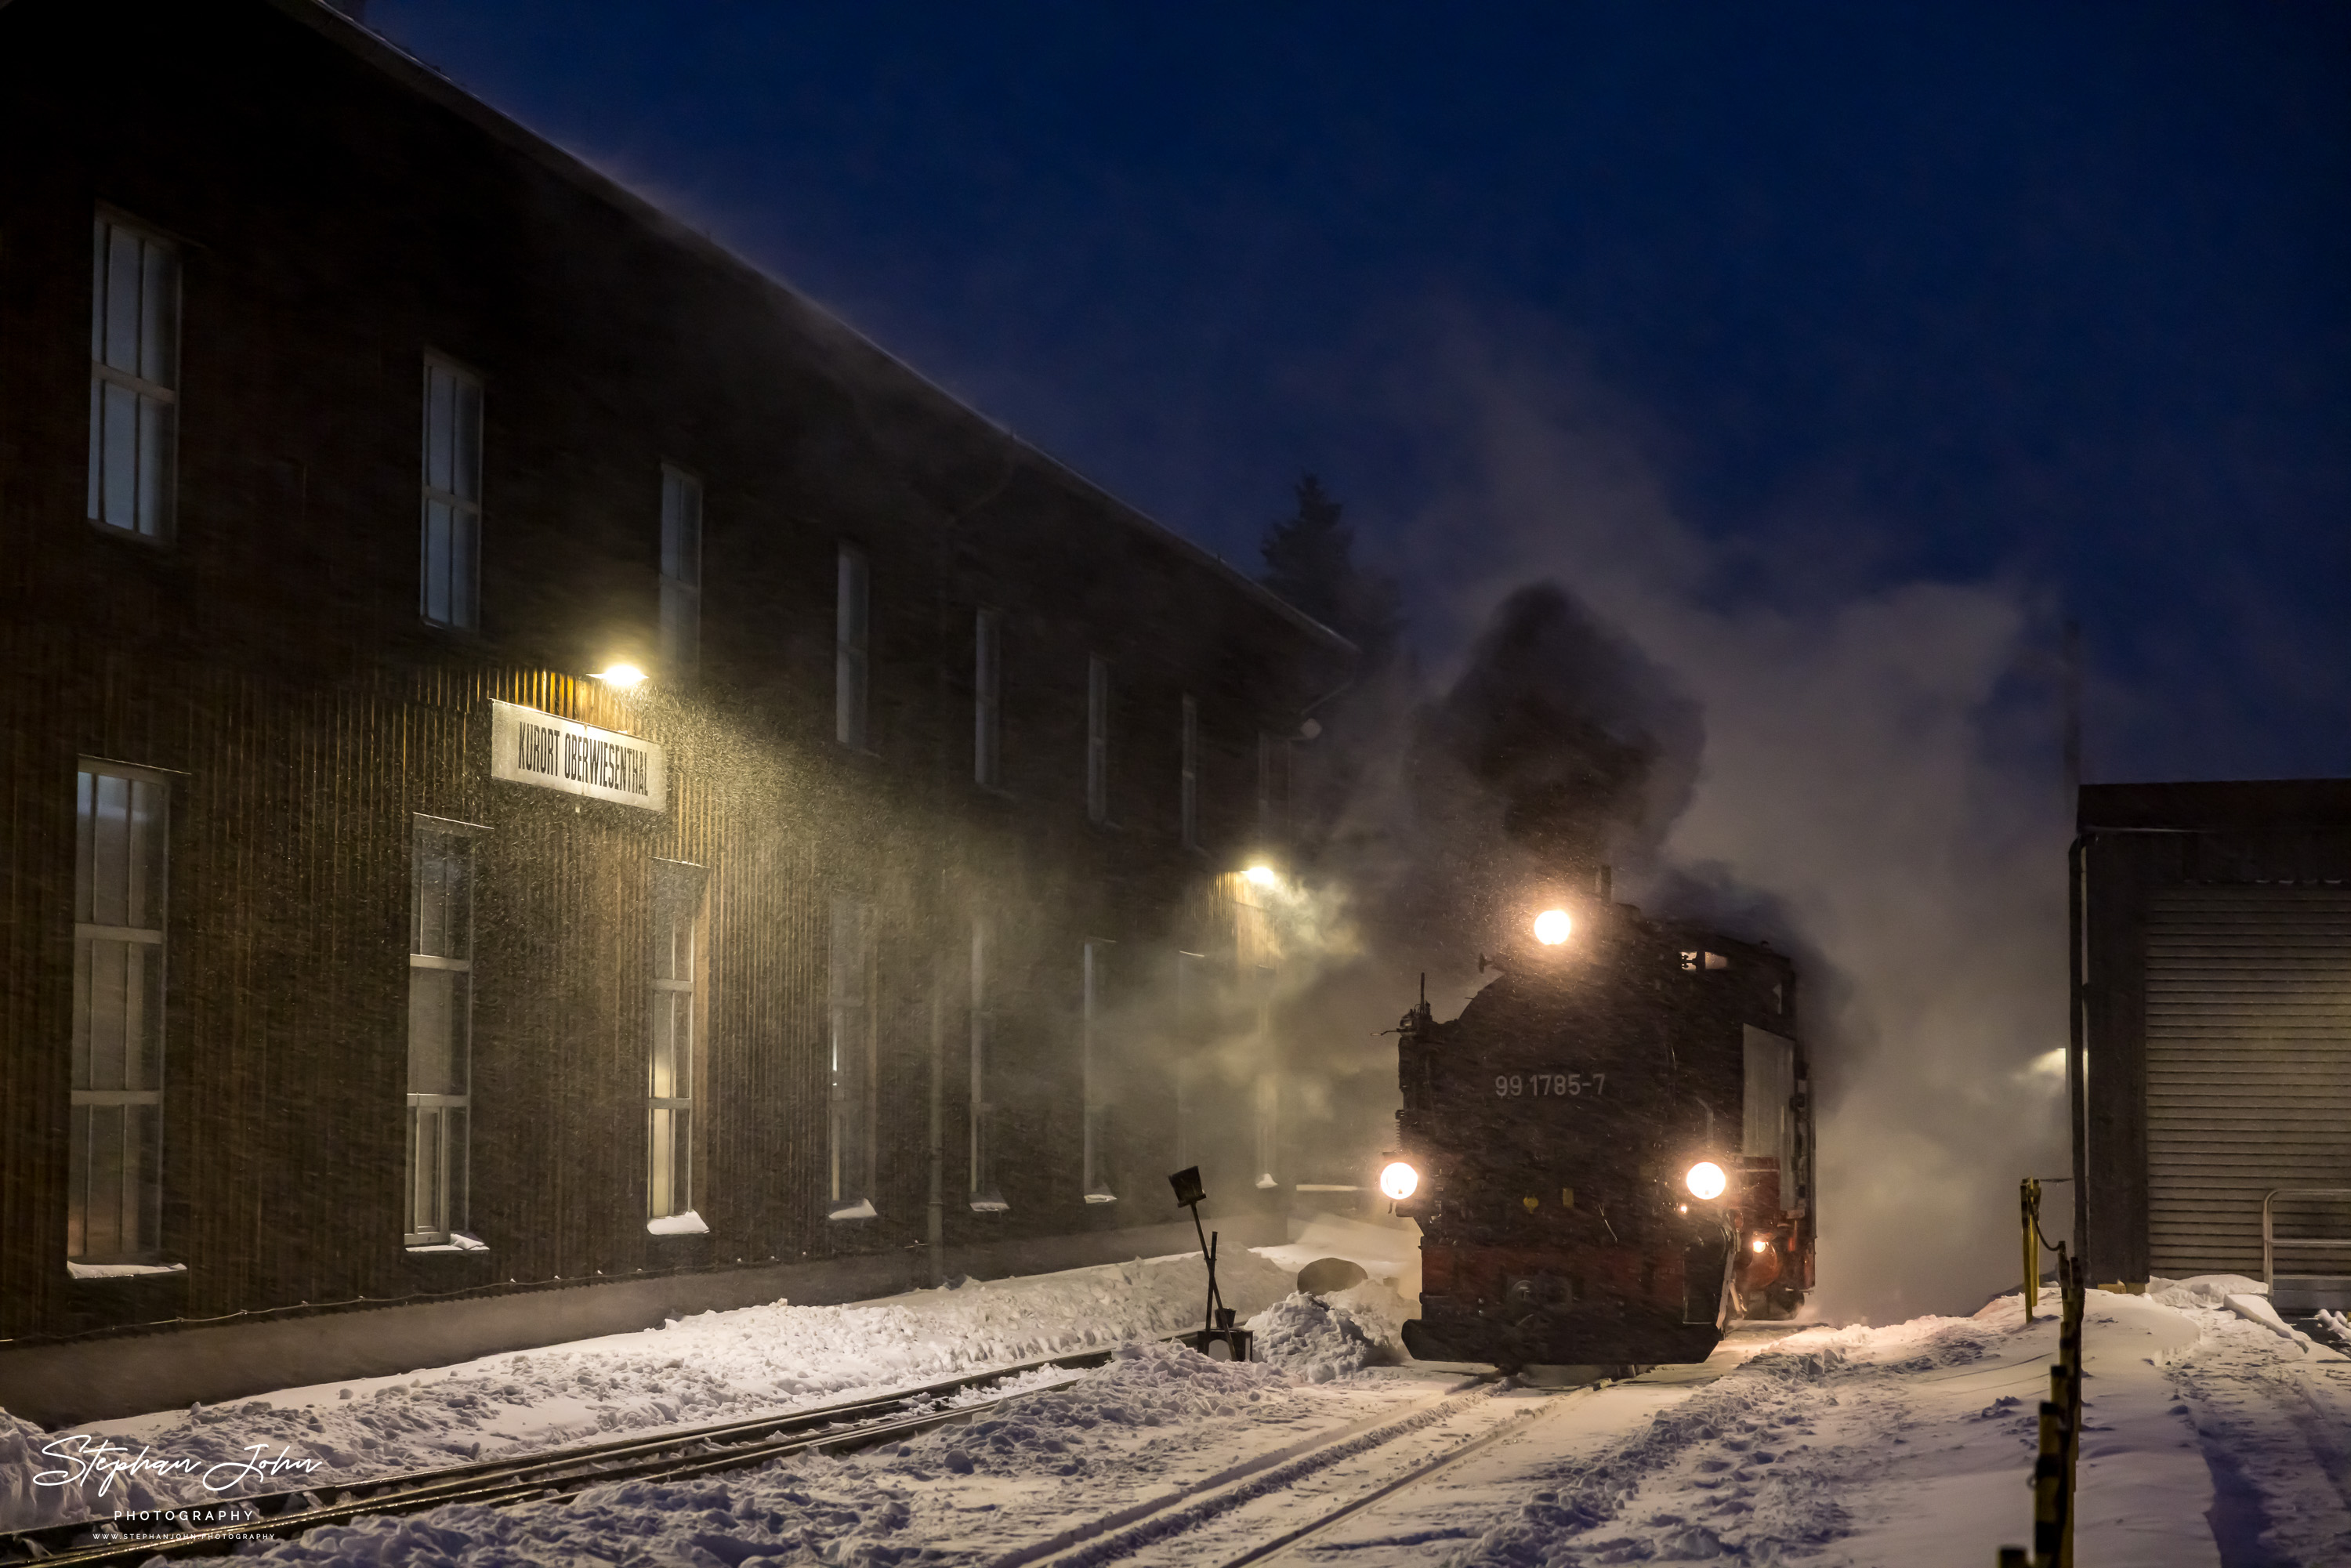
<point>2216,1010</point>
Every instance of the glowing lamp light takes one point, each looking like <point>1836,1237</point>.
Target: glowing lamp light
<point>1706,1180</point>
<point>620,676</point>
<point>1261,876</point>
<point>1399,1181</point>
<point>1552,927</point>
<point>1759,1245</point>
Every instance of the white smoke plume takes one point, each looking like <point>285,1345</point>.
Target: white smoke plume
<point>1878,790</point>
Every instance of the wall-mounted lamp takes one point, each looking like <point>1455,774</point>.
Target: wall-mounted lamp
<point>620,677</point>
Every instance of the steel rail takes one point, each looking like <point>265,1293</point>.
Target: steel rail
<point>1509,1427</point>
<point>675,1454</point>
<point>1137,1526</point>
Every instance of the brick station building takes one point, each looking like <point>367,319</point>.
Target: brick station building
<point>384,974</point>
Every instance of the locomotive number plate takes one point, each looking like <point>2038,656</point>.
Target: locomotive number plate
<point>1550,1085</point>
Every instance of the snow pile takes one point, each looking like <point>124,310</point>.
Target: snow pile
<point>1148,1384</point>
<point>2203,1291</point>
<point>1013,1476</point>
<point>1766,1464</point>
<point>27,1454</point>
<point>2269,1406</point>
<point>1313,1338</point>
<point>1736,1476</point>
<point>710,1367</point>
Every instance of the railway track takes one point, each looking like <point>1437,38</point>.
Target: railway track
<point>1204,1522</point>
<point>1172,1525</point>
<point>677,1455</point>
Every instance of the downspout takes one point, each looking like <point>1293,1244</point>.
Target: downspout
<point>2077,1100</point>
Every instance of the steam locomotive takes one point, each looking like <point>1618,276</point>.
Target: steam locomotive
<point>1610,1150</point>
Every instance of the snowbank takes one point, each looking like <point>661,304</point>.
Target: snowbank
<point>1908,1444</point>
<point>2271,1410</point>
<point>1315,1339</point>
<point>704,1368</point>
<point>1155,1416</point>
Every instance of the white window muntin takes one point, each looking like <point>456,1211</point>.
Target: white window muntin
<point>852,1111</point>
<point>443,891</point>
<point>1094,1007</point>
<point>1192,1001</point>
<point>121,860</point>
<point>853,626</point>
<point>680,573</point>
<point>983,1192</point>
<point>672,1056</point>
<point>134,373</point>
<point>449,587</point>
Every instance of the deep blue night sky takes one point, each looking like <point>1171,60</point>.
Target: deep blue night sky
<point>2050,294</point>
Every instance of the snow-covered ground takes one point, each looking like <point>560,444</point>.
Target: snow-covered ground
<point>1904,1445</point>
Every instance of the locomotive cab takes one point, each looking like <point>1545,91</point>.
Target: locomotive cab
<point>1611,1149</point>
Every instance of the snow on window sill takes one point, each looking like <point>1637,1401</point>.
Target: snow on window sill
<point>686,1224</point>
<point>121,1270</point>
<point>861,1210</point>
<point>459,1241</point>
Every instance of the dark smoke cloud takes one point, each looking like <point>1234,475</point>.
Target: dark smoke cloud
<point>1589,749</point>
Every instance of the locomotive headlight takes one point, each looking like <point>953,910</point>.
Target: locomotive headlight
<point>1706,1180</point>
<point>1399,1181</point>
<point>1552,927</point>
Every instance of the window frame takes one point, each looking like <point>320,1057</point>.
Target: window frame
<point>147,1246</point>
<point>982,1191</point>
<point>1187,801</point>
<point>1094,1007</point>
<point>676,883</point>
<point>679,633</point>
<point>1098,715</point>
<point>1269,750</point>
<point>850,1020</point>
<point>144,390</point>
<point>987,699</point>
<point>455,1168</point>
<point>465,617</point>
<point>852,648</point>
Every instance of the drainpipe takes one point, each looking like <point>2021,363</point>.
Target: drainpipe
<point>2077,1100</point>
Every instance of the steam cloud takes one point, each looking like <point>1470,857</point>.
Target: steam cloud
<point>1863,772</point>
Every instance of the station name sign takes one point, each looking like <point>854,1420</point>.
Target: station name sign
<point>528,746</point>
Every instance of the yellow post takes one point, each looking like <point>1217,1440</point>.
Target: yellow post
<point>2028,1199</point>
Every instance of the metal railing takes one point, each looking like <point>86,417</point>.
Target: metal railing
<point>2061,1412</point>
<point>2271,1241</point>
